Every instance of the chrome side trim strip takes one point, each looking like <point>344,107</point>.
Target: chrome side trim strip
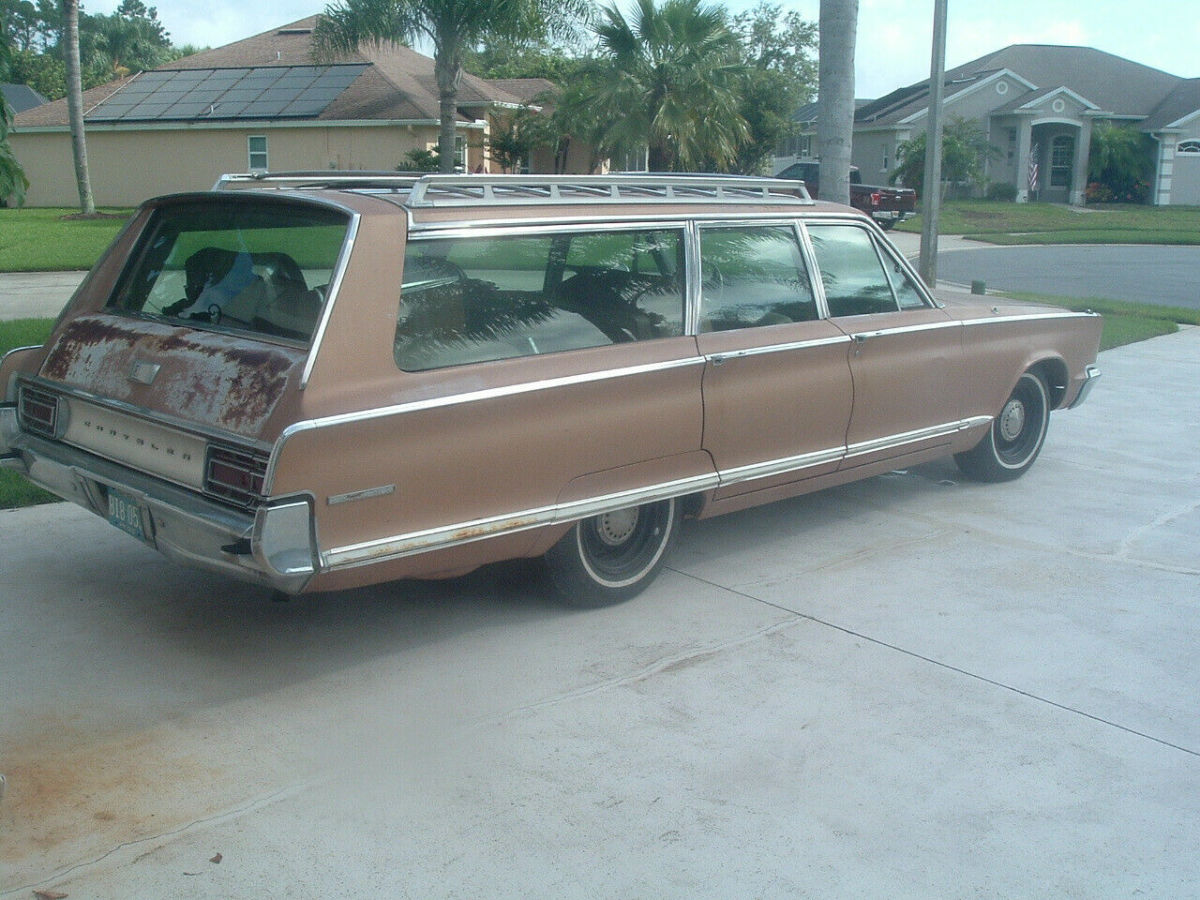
<point>447,536</point>
<point>895,441</point>
<point>720,357</point>
<point>780,466</point>
<point>1028,317</point>
<point>904,329</point>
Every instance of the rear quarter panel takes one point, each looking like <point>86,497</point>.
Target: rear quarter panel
<point>385,453</point>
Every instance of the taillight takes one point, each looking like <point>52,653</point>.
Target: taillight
<point>876,198</point>
<point>235,475</point>
<point>41,412</point>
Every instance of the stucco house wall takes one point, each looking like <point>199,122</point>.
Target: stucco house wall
<point>128,166</point>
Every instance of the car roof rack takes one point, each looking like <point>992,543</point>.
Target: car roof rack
<point>464,190</point>
<point>317,179</point>
<point>427,191</point>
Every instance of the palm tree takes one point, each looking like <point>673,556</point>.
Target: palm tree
<point>87,203</point>
<point>13,182</point>
<point>838,24</point>
<point>453,26</point>
<point>674,83</point>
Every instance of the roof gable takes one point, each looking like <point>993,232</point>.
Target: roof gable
<point>1179,108</point>
<point>1099,80</point>
<point>1113,83</point>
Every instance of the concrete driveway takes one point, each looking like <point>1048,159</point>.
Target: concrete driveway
<point>909,687</point>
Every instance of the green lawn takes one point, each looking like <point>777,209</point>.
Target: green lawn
<point>51,240</point>
<point>1046,223</point>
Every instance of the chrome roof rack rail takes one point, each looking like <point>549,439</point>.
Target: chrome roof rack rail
<point>425,190</point>
<point>320,178</point>
<point>468,190</point>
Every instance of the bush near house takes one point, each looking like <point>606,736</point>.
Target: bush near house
<point>1120,165</point>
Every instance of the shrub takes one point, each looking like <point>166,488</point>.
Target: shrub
<point>1000,190</point>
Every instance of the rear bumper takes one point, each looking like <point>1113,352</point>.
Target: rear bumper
<point>274,546</point>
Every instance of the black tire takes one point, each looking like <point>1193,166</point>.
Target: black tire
<point>1016,436</point>
<point>886,224</point>
<point>611,557</point>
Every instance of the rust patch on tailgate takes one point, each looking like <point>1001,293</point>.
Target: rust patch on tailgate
<point>212,379</point>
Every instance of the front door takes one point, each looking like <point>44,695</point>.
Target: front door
<point>905,354</point>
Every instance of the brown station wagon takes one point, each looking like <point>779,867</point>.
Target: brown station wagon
<point>324,380</point>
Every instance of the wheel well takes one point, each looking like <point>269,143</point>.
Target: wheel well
<point>1054,373</point>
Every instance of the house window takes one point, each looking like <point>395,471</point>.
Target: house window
<point>1191,148</point>
<point>256,146</point>
<point>1062,158</point>
<point>460,153</point>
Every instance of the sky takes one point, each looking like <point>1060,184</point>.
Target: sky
<point>894,36</point>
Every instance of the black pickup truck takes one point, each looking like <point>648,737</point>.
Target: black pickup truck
<point>886,205</point>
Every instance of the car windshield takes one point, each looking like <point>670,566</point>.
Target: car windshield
<point>250,266</point>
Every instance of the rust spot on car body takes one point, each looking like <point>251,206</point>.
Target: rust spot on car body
<point>212,379</point>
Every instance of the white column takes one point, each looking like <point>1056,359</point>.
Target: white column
<point>1024,140</point>
<point>1083,143</point>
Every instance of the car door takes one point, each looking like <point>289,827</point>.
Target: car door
<point>777,389</point>
<point>905,354</point>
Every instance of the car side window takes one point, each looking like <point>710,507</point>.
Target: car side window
<point>856,280</point>
<point>480,298</point>
<point>752,275</point>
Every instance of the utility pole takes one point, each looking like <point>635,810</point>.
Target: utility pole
<point>931,207</point>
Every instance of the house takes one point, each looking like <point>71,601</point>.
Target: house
<point>1038,104</point>
<point>257,104</point>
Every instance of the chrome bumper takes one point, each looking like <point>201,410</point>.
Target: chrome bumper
<point>274,546</point>
<point>1090,376</point>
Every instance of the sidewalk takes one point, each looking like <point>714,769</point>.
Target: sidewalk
<point>29,295</point>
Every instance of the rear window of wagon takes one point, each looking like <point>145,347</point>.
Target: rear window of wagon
<point>250,266</point>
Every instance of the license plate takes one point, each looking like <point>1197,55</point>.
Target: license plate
<point>126,513</point>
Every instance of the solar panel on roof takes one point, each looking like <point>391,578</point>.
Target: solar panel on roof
<point>261,92</point>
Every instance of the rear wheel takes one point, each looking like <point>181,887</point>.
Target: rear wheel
<point>610,557</point>
<point>1016,436</point>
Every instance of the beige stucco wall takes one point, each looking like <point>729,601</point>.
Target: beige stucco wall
<point>127,166</point>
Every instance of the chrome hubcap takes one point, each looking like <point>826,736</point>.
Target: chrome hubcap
<point>1012,420</point>
<point>614,528</point>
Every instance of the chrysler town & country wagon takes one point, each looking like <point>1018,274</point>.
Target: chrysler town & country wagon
<point>324,380</point>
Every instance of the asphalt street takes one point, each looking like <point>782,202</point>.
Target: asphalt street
<point>1166,275</point>
<point>910,687</point>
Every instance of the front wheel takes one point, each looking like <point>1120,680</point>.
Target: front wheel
<point>1016,436</point>
<point>610,557</point>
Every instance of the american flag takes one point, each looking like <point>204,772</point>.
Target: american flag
<point>1033,169</point>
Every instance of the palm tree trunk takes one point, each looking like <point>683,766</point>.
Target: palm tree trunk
<point>87,204</point>
<point>838,27</point>
<point>448,71</point>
